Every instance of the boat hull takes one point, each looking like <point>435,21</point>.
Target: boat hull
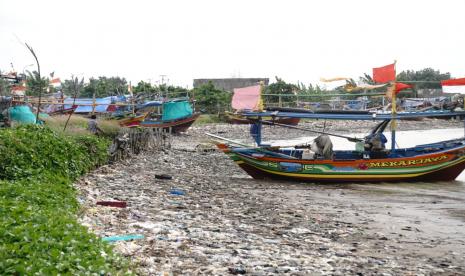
<point>132,121</point>
<point>443,165</point>
<point>176,126</point>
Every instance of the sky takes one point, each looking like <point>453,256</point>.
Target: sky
<point>298,41</point>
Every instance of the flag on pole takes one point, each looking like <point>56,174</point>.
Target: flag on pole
<point>399,86</point>
<point>384,74</point>
<point>453,86</point>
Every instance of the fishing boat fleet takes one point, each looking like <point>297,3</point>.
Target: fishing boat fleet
<point>370,161</point>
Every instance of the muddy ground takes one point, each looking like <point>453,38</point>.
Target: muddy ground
<point>211,218</point>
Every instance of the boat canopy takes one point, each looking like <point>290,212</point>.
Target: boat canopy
<point>148,104</point>
<point>348,116</point>
<point>176,110</point>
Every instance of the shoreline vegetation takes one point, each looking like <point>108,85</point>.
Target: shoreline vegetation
<point>39,231</point>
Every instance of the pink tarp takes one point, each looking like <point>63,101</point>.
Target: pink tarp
<point>246,98</point>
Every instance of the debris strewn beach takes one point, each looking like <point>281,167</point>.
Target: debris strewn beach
<point>198,213</point>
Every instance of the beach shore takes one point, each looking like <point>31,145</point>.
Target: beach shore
<point>212,218</point>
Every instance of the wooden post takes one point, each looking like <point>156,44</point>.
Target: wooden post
<point>93,103</point>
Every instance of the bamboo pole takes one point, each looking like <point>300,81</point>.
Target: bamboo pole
<point>40,79</point>
<point>393,113</point>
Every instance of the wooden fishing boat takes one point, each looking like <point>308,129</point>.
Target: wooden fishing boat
<point>177,126</point>
<point>64,111</point>
<point>439,161</point>
<point>177,115</point>
<point>132,121</point>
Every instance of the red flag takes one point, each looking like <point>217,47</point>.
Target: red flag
<point>397,88</point>
<point>401,86</point>
<point>384,74</point>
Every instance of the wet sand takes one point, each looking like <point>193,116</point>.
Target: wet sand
<point>212,218</point>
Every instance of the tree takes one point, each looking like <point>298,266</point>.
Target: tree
<point>280,87</point>
<point>105,87</point>
<point>316,93</point>
<point>4,86</point>
<point>35,83</point>
<point>210,99</point>
<point>430,77</point>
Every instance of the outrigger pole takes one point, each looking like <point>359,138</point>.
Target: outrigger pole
<point>351,139</point>
<point>246,146</point>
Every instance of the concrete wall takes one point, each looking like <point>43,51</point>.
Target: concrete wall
<point>230,84</point>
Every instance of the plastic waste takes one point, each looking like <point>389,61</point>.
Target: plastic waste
<point>123,238</point>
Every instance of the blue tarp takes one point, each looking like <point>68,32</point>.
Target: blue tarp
<point>176,110</point>
<point>85,105</point>
<point>149,104</point>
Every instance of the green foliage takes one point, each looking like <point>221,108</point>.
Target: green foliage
<point>30,151</point>
<point>310,93</point>
<point>211,100</point>
<point>105,87</point>
<point>36,84</point>
<point>4,87</point>
<point>39,232</point>
<point>431,77</point>
<point>146,91</point>
<point>73,86</point>
<point>282,88</point>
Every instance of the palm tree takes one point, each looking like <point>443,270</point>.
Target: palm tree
<point>35,83</point>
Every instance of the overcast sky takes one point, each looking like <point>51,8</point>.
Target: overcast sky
<point>186,39</point>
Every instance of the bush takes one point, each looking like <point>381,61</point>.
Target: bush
<point>31,150</point>
<point>39,232</point>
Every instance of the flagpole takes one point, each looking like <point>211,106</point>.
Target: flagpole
<point>393,112</point>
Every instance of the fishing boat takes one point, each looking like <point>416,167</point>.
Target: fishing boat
<point>63,111</point>
<point>438,161</point>
<point>176,114</point>
<point>132,120</point>
<point>249,99</point>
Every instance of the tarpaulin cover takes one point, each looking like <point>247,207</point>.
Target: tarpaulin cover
<point>149,104</point>
<point>85,105</point>
<point>247,98</point>
<point>176,110</point>
<point>22,114</point>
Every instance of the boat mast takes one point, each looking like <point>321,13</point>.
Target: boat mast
<point>256,127</point>
<point>393,113</point>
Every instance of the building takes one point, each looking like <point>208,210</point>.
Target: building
<point>229,84</point>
